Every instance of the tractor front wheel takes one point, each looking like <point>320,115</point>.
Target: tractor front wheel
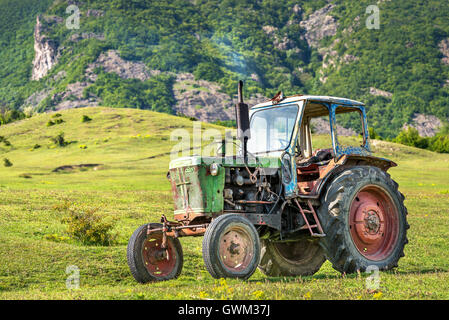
<point>148,261</point>
<point>231,247</point>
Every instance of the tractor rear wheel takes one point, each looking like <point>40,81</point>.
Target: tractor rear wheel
<point>231,247</point>
<point>299,258</point>
<point>363,215</point>
<point>148,261</point>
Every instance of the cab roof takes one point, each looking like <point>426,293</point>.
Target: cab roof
<point>296,98</point>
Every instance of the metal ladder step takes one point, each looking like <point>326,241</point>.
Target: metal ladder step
<point>311,210</point>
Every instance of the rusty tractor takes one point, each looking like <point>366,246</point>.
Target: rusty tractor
<point>279,204</point>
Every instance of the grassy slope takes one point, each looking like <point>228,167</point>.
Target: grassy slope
<point>131,187</point>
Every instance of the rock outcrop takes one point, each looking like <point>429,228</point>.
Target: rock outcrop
<point>377,92</point>
<point>111,61</point>
<point>319,25</point>
<point>331,58</point>
<point>73,97</point>
<point>45,50</point>
<point>444,49</point>
<point>281,43</point>
<point>427,125</point>
<point>87,35</point>
<point>203,100</point>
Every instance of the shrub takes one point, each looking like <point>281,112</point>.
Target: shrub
<point>56,115</point>
<point>208,71</point>
<point>59,140</point>
<point>5,141</point>
<point>85,118</point>
<point>411,137</point>
<point>87,226</point>
<point>7,162</point>
<point>50,123</point>
<point>373,134</point>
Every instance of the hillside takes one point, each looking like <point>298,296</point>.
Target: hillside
<point>128,150</point>
<point>183,56</point>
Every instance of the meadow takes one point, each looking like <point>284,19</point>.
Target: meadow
<point>128,150</point>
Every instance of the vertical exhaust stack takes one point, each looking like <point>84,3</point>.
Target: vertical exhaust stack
<point>242,119</point>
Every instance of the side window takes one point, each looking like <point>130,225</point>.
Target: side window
<point>321,133</point>
<point>350,129</point>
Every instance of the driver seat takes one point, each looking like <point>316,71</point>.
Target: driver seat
<point>319,157</point>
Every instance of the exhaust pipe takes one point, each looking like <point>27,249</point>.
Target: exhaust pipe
<point>242,119</point>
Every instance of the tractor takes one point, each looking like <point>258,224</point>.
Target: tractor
<point>280,203</point>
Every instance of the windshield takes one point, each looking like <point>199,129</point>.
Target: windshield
<point>271,129</point>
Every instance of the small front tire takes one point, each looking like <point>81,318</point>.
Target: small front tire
<point>147,261</point>
<point>231,247</point>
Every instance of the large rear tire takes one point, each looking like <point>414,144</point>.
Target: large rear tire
<point>364,218</point>
<point>300,258</point>
<point>231,247</point>
<point>148,262</point>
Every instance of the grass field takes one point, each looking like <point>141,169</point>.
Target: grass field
<point>130,150</point>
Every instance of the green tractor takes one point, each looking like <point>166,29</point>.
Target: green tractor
<point>281,204</point>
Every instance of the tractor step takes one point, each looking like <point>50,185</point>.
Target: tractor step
<point>317,225</point>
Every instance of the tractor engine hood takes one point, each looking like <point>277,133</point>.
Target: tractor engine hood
<point>197,182</point>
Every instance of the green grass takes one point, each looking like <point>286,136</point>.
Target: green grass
<point>130,186</point>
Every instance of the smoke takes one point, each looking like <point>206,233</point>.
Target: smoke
<point>231,58</point>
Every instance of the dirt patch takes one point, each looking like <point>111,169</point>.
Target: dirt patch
<point>78,167</point>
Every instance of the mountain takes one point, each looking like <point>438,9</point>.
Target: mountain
<point>185,57</point>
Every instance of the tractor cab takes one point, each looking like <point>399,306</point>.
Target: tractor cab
<point>310,134</point>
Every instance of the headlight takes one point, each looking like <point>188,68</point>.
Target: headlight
<point>214,167</point>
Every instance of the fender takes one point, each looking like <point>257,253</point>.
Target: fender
<point>347,161</point>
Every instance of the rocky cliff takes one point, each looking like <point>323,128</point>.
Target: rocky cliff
<point>46,51</point>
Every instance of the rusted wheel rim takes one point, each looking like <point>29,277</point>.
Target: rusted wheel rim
<point>374,223</point>
<point>159,262</point>
<point>236,249</point>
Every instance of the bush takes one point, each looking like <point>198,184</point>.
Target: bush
<point>87,226</point>
<point>373,134</point>
<point>411,137</point>
<point>59,140</point>
<point>85,118</point>
<point>7,163</point>
<point>5,141</point>
<point>208,71</point>
<point>50,123</point>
